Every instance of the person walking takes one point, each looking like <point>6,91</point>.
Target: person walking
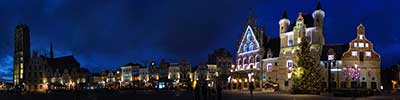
<point>251,88</point>
<point>219,92</point>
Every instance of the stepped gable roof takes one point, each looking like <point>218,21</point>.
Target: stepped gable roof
<point>308,20</point>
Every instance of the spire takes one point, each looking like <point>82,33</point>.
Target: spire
<point>250,18</point>
<point>51,51</point>
<point>319,7</point>
<point>284,16</point>
<point>360,29</point>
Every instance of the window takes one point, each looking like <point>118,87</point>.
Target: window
<point>331,57</point>
<point>355,44</point>
<point>290,40</point>
<point>354,53</point>
<point>361,37</point>
<point>251,47</point>
<point>245,48</point>
<point>361,45</point>
<point>368,54</point>
<point>366,44</point>
<point>269,67</point>
<point>373,85</point>
<point>286,83</point>
<point>363,84</point>
<point>290,64</point>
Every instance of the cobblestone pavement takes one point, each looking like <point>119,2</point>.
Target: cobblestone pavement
<point>172,95</point>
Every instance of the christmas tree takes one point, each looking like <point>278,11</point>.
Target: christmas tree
<point>306,71</point>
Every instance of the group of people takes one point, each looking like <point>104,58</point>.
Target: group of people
<point>203,92</point>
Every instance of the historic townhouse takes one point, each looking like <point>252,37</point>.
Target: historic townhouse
<point>269,61</point>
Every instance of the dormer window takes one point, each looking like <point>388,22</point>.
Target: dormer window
<point>361,45</point>
<point>361,37</point>
<point>355,44</point>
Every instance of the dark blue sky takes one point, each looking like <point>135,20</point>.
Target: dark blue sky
<point>110,33</point>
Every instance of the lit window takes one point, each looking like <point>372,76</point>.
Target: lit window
<point>245,48</point>
<point>290,64</point>
<point>355,44</point>
<point>361,37</point>
<point>251,47</point>
<point>361,45</point>
<point>298,40</point>
<point>290,40</point>
<point>354,53</point>
<point>269,67</point>
<point>331,57</point>
<point>368,54</point>
<point>366,44</point>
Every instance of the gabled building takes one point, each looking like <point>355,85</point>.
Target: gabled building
<point>263,60</point>
<point>54,73</point>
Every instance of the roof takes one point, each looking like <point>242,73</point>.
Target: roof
<point>284,16</point>
<point>63,62</point>
<point>338,48</point>
<point>319,7</point>
<point>308,20</point>
<point>273,45</point>
<point>132,64</point>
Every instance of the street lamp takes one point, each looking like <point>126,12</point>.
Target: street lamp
<point>331,60</point>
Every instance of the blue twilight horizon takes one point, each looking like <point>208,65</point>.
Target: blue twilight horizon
<point>106,34</point>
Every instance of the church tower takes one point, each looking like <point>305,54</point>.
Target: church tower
<point>22,53</point>
<point>51,51</point>
<point>284,23</point>
<point>319,16</point>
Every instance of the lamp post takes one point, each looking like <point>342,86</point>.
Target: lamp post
<point>331,59</point>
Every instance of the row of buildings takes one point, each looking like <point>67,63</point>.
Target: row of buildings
<point>167,74</point>
<point>269,61</point>
<point>43,71</point>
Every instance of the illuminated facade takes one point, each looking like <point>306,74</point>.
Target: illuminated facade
<point>222,58</point>
<point>249,54</point>
<point>266,60</point>
<point>174,72</point>
<point>362,57</point>
<point>130,74</point>
<point>22,53</point>
<point>185,69</point>
<point>46,73</point>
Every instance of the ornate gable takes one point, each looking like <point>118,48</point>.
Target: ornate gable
<point>249,42</point>
<point>361,48</point>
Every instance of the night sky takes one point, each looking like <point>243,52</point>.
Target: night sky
<point>106,34</point>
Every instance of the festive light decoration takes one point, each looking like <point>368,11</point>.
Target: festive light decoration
<point>352,72</point>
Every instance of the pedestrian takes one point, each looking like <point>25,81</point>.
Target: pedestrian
<point>197,92</point>
<point>251,88</point>
<point>219,91</point>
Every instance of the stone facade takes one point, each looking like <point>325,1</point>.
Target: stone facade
<point>22,53</point>
<point>267,60</point>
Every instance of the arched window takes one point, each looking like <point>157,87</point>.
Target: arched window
<point>251,47</point>
<point>244,61</point>
<point>245,48</point>
<point>248,37</point>
<point>257,58</point>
